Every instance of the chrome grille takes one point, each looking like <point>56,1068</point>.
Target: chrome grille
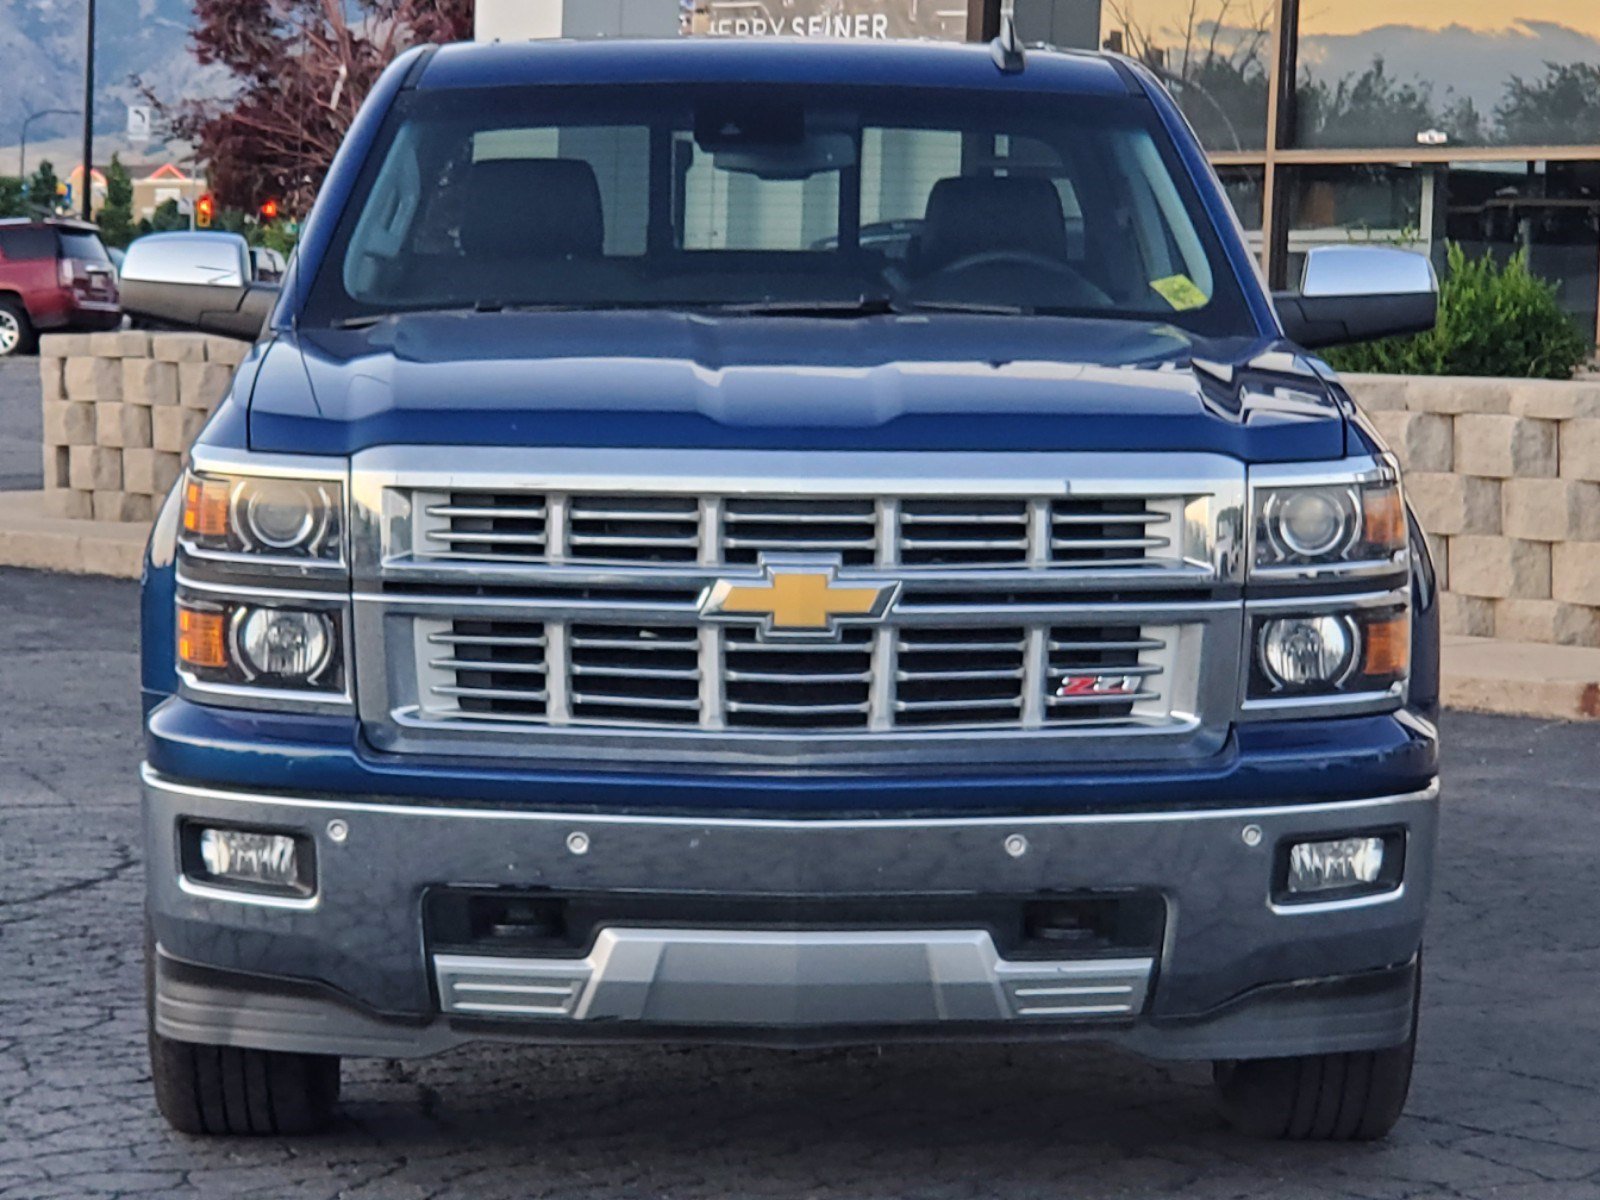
<point>964,533</point>
<point>715,531</point>
<point>909,677</point>
<point>634,673</point>
<point>508,526</point>
<point>489,670</point>
<point>772,685</point>
<point>642,529</point>
<point>848,528</point>
<point>962,676</point>
<point>1108,532</point>
<point>1043,599</point>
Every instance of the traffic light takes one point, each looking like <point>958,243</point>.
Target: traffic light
<point>269,210</point>
<point>205,209</point>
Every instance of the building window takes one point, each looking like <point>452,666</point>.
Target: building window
<point>1448,73</point>
<point>1245,187</point>
<point>1549,210</point>
<point>1213,55</point>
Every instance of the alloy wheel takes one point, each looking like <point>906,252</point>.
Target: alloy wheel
<point>10,333</point>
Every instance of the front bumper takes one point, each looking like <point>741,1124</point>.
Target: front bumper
<point>350,971</point>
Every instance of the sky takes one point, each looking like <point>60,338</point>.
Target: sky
<point>1480,16</point>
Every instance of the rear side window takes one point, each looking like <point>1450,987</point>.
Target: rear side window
<point>85,247</point>
<point>28,243</point>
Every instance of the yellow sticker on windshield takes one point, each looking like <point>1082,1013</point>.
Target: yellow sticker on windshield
<point>1179,291</point>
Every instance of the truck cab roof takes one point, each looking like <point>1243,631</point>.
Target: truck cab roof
<point>816,61</point>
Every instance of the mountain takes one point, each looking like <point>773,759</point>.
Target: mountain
<point>41,47</point>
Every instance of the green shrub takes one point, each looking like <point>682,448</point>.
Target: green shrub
<point>1493,320</point>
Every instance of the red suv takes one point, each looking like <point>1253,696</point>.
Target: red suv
<point>53,275</point>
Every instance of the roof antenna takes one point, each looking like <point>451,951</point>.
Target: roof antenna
<point>1007,50</point>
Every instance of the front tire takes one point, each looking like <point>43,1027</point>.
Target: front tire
<point>1351,1097</point>
<point>229,1090</point>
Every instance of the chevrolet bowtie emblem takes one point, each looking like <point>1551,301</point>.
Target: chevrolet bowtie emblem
<point>799,600</point>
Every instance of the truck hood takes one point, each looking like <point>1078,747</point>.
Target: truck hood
<point>658,380</point>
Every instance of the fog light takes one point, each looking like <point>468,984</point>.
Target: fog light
<point>1328,866</point>
<point>263,860</point>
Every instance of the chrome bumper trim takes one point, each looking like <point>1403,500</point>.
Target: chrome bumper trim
<point>1000,824</point>
<point>717,977</point>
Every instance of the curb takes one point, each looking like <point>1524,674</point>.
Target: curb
<point>1521,679</point>
<point>30,537</point>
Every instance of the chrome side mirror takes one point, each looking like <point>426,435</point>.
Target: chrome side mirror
<point>1358,293</point>
<point>203,281</point>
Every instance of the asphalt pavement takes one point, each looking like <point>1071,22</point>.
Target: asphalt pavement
<point>21,424</point>
<point>1506,1103</point>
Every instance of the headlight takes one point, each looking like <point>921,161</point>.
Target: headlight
<point>282,518</point>
<point>283,643</point>
<point>290,649</point>
<point>1327,524</point>
<point>1348,652</point>
<point>1307,652</point>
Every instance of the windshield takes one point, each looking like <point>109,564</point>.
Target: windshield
<point>777,199</point>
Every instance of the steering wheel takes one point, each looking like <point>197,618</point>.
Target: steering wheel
<point>1021,258</point>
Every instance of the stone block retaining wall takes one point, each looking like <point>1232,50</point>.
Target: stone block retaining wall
<point>120,411</point>
<point>1504,474</point>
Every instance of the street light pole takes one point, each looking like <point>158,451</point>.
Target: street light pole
<point>88,120</point>
<point>22,155</point>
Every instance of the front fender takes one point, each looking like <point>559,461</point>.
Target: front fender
<point>158,587</point>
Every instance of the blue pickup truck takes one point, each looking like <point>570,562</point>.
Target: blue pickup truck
<point>620,601</point>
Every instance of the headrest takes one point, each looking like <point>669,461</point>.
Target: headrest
<point>974,214</point>
<point>533,208</point>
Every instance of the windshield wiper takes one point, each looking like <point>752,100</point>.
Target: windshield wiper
<point>982,308</point>
<point>859,306</point>
<point>869,306</point>
<point>368,320</point>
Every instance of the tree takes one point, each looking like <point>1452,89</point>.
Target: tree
<point>1214,64</point>
<point>302,68</point>
<point>42,188</point>
<point>1494,319</point>
<point>165,219</point>
<point>116,215</point>
<point>12,203</point>
<point>1370,109</point>
<point>1554,109</point>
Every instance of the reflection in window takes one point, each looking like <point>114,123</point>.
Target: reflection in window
<point>1466,72</point>
<point>1212,54</point>
<point>1244,186</point>
<point>1549,210</point>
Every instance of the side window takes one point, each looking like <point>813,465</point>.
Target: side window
<point>27,243</point>
<point>733,210</point>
